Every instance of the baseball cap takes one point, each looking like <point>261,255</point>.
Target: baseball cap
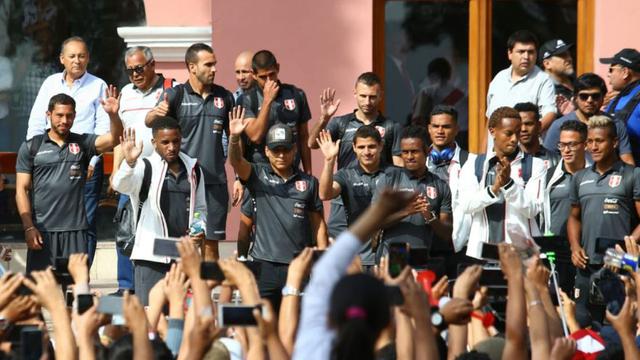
<point>626,57</point>
<point>279,135</point>
<point>553,47</point>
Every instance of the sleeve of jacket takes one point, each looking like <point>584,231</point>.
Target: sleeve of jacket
<point>528,200</point>
<point>201,201</point>
<point>473,197</point>
<point>128,180</point>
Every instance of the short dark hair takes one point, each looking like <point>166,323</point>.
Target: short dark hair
<point>367,131</point>
<point>603,122</point>
<point>416,132</point>
<point>441,67</point>
<point>165,122</point>
<point>369,78</point>
<point>263,59</point>
<point>523,37</point>
<point>61,99</point>
<point>445,109</point>
<point>575,125</point>
<point>589,81</point>
<point>191,56</point>
<point>528,107</point>
<point>503,112</point>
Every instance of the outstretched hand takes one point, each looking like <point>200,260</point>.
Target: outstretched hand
<point>237,122</point>
<point>111,102</point>
<point>328,104</point>
<point>130,148</point>
<point>329,148</point>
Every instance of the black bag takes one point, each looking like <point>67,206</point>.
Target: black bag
<point>126,225</point>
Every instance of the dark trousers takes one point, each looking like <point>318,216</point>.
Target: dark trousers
<point>584,309</point>
<point>92,189</point>
<point>125,266</point>
<point>147,274</point>
<point>272,278</point>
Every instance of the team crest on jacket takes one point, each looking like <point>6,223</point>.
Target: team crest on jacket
<point>432,193</point>
<point>75,149</point>
<point>615,180</point>
<point>301,185</point>
<point>381,130</point>
<point>218,102</point>
<point>289,104</point>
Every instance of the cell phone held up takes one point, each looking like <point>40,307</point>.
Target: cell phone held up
<point>398,258</point>
<point>238,315</point>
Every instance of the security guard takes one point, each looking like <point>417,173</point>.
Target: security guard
<point>51,170</point>
<point>288,215</point>
<point>605,199</point>
<point>355,184</point>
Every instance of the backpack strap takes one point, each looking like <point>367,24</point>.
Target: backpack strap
<point>36,141</point>
<point>479,165</point>
<point>167,83</point>
<point>198,175</point>
<point>146,182</point>
<point>464,156</point>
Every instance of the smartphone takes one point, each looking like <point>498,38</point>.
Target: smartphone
<point>110,305</point>
<point>31,339</point>
<point>612,290</point>
<point>394,294</point>
<point>211,271</point>
<point>15,336</point>
<point>166,247</point>
<point>85,302</point>
<point>68,296</point>
<point>492,277</point>
<point>237,315</point>
<point>398,257</point>
<point>490,252</point>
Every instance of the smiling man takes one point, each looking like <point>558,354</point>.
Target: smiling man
<point>493,189</point>
<point>523,81</point>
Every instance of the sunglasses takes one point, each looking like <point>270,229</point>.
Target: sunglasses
<point>585,96</point>
<point>138,69</point>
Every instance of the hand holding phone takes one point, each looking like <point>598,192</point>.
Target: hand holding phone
<point>237,315</point>
<point>398,258</point>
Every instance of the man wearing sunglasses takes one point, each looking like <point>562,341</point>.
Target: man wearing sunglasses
<point>624,76</point>
<point>136,100</point>
<point>588,97</point>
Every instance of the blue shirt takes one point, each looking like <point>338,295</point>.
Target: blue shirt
<point>633,123</point>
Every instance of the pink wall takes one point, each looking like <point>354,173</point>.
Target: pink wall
<point>615,29</point>
<point>318,44</point>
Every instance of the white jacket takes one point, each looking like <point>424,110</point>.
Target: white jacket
<point>461,221</point>
<point>522,203</point>
<point>152,223</point>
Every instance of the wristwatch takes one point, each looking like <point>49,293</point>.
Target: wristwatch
<point>290,291</point>
<point>437,320</point>
<point>432,219</point>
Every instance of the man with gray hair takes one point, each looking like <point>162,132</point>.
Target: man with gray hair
<point>87,91</point>
<point>136,99</point>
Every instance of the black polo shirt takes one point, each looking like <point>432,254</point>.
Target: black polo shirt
<point>282,212</point>
<point>290,107</point>
<point>607,204</point>
<point>58,177</point>
<point>550,158</point>
<point>414,229</point>
<point>174,201</point>
<point>560,202</point>
<point>344,128</point>
<point>202,122</point>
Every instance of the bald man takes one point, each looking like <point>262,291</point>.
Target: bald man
<point>244,73</point>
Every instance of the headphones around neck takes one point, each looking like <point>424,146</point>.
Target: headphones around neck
<point>439,157</point>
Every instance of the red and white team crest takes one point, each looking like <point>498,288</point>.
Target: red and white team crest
<point>289,104</point>
<point>381,130</point>
<point>301,185</point>
<point>218,102</point>
<point>74,148</point>
<point>615,180</point>
<point>432,193</point>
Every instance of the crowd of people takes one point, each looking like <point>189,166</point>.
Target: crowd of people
<point>528,249</point>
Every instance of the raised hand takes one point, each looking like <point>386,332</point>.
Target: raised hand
<point>503,174</point>
<point>130,148</point>
<point>46,289</point>
<point>270,90</point>
<point>162,109</point>
<point>510,261</point>
<point>329,148</point>
<point>328,104</point>
<point>563,349</point>
<point>175,288</point>
<point>111,101</point>
<point>237,122</point>
<point>467,282</point>
<point>78,268</point>
<point>9,283</point>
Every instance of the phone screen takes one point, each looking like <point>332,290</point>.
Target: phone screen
<point>166,247</point>
<point>85,302</point>
<point>31,339</point>
<point>398,258</point>
<point>238,315</point>
<point>110,305</point>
